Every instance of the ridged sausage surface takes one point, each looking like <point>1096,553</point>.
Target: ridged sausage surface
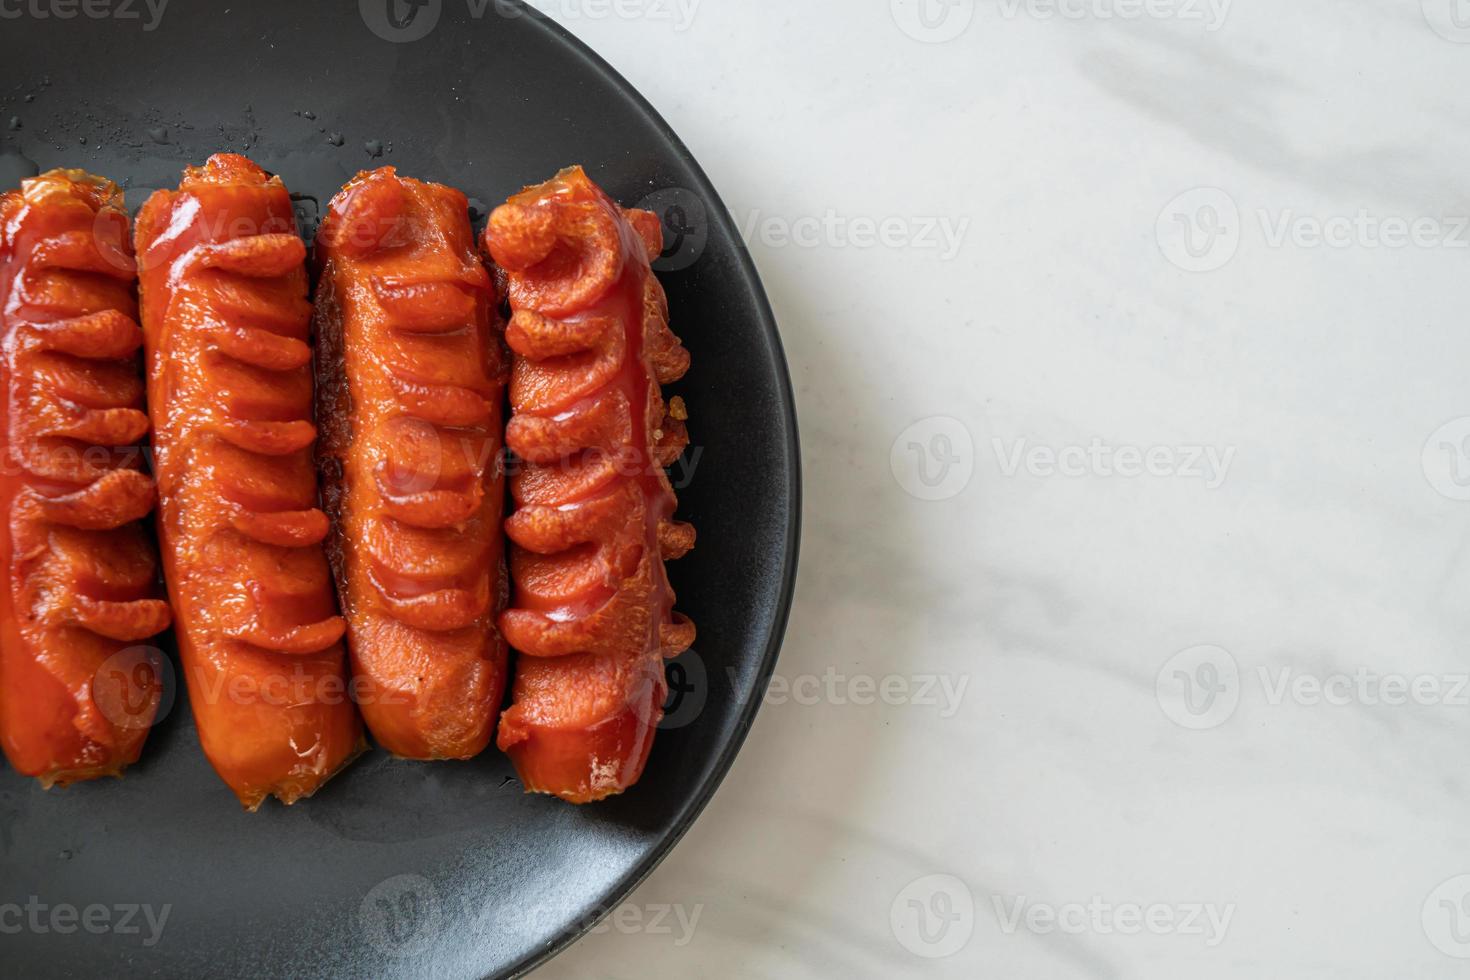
<point>410,383</point>
<point>592,612</point>
<point>78,688</point>
<point>226,320</point>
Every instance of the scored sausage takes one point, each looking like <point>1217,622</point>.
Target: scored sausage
<point>592,611</point>
<point>78,688</point>
<point>410,381</point>
<point>226,320</point>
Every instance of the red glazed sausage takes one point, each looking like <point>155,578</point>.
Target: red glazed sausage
<point>77,690</point>
<point>592,612</point>
<point>225,317</point>
<point>410,382</point>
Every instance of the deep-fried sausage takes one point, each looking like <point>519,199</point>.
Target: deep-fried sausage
<point>223,285</point>
<point>410,383</point>
<point>78,690</point>
<point>592,612</point>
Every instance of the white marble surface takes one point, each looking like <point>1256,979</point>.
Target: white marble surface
<point>1316,836</point>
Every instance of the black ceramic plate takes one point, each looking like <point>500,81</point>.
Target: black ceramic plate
<point>443,870</point>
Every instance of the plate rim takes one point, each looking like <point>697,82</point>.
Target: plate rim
<point>719,215</point>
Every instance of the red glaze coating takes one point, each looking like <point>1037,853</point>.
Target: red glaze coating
<point>592,612</point>
<point>225,316</point>
<point>410,384</point>
<point>78,688</point>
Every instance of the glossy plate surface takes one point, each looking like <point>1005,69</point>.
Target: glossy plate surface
<point>442,870</point>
